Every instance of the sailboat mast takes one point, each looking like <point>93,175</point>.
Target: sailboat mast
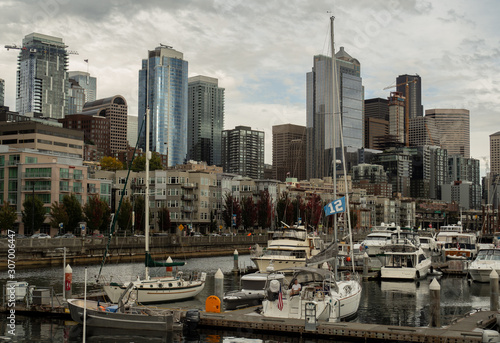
<point>146,194</point>
<point>334,129</point>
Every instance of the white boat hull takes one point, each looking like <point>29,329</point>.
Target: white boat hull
<point>405,273</point>
<point>278,263</point>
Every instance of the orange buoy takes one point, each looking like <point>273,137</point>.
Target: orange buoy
<point>212,304</point>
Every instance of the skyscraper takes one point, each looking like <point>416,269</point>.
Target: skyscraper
<point>243,152</point>
<point>412,83</point>
<point>376,121</point>
<point>397,116</point>
<point>495,153</point>
<point>2,92</point>
<point>163,87</point>
<point>42,78</point>
<point>205,119</point>
<point>319,110</point>
<point>453,128</point>
<point>87,84</point>
<point>289,151</point>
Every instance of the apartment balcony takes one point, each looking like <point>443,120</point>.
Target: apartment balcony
<point>189,209</point>
<point>37,188</point>
<point>64,189</point>
<point>92,190</point>
<point>188,185</point>
<point>77,176</point>
<point>66,176</point>
<point>78,189</point>
<point>46,175</point>
<point>188,197</point>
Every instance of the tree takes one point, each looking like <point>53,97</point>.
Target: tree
<point>58,215</point>
<point>155,163</point>
<point>299,208</point>
<point>249,213</point>
<point>111,163</point>
<point>97,214</point>
<point>139,210</point>
<point>124,218</point>
<point>164,219</point>
<point>284,209</point>
<point>231,207</point>
<point>265,210</point>
<point>314,210</point>
<point>8,216</point>
<point>74,210</point>
<point>33,214</point>
<point>213,222</point>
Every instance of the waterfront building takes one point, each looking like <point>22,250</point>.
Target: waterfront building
<point>163,87</point>
<point>319,110</point>
<point>243,152</point>
<point>464,193</point>
<point>411,88</point>
<point>42,78</point>
<point>466,169</point>
<point>2,92</point>
<point>47,174</point>
<point>453,127</point>
<point>205,119</point>
<point>289,152</point>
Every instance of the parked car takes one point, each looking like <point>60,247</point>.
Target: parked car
<point>40,235</point>
<point>18,236</point>
<point>139,235</point>
<point>214,234</point>
<point>98,235</point>
<point>66,235</point>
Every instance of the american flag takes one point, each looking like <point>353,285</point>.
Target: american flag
<point>280,300</point>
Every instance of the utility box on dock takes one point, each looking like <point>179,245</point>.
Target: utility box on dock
<point>41,297</point>
<point>20,287</point>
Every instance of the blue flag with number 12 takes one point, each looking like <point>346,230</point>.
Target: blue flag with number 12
<point>336,206</point>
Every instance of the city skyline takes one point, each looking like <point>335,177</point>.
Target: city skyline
<point>260,52</point>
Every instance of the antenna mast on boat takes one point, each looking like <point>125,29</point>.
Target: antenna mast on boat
<point>146,195</point>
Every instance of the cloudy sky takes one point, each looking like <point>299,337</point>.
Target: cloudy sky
<point>261,50</point>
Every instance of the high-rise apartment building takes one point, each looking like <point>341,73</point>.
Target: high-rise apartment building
<point>163,87</point>
<point>376,121</point>
<point>42,78</point>
<point>289,152</point>
<point>2,92</point>
<point>83,88</point>
<point>411,88</point>
<point>453,128</point>
<point>423,131</point>
<point>397,116</point>
<point>243,152</point>
<point>320,110</point>
<point>205,119</point>
<point>495,153</point>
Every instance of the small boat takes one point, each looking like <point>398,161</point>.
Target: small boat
<point>456,244</point>
<point>428,245</point>
<point>404,258</point>
<point>486,261</point>
<point>106,315</point>
<point>375,241</point>
<point>252,290</point>
<point>320,294</point>
<point>289,248</point>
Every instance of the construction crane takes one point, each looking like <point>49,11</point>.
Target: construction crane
<point>407,107</point>
<point>16,47</point>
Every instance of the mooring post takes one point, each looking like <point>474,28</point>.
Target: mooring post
<point>219,287</point>
<point>169,269</point>
<point>235,258</point>
<point>493,290</point>
<point>68,278</point>
<point>435,306</point>
<point>366,264</point>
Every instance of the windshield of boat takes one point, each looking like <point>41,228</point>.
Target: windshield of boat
<point>378,238</point>
<point>291,253</point>
<point>290,234</point>
<point>489,255</point>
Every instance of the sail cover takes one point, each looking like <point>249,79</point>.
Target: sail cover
<point>325,255</point>
<point>152,263</point>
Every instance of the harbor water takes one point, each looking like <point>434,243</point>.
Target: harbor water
<point>388,303</point>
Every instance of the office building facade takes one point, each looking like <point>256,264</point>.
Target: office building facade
<point>87,82</point>
<point>163,87</point>
<point>205,119</point>
<point>411,88</point>
<point>243,152</point>
<point>289,152</point>
<point>42,78</point>
<point>2,92</point>
<point>453,128</point>
<point>397,117</point>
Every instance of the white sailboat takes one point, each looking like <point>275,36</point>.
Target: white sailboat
<point>321,292</point>
<point>158,289</point>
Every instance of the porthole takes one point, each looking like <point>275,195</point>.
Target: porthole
<point>169,285</point>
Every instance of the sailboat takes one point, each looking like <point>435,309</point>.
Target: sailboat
<point>157,289</point>
<point>321,292</point>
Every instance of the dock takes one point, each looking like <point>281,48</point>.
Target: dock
<point>249,320</point>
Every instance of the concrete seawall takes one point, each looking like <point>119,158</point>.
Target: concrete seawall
<point>30,253</point>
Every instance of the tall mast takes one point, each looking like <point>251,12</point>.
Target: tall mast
<point>146,195</point>
<point>334,129</point>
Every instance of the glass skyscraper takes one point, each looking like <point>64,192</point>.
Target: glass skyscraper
<point>163,87</point>
<point>2,92</point>
<point>42,78</point>
<point>83,88</point>
<point>205,119</point>
<point>319,109</point>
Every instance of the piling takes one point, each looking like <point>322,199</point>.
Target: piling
<point>68,278</point>
<point>366,264</point>
<point>235,257</point>
<point>494,290</point>
<point>169,268</point>
<point>435,304</point>
<point>219,287</point>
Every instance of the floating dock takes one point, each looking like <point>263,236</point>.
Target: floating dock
<point>249,320</point>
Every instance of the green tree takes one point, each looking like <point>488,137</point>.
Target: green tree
<point>58,215</point>
<point>139,210</point>
<point>111,163</point>
<point>139,163</point>
<point>249,213</point>
<point>97,214</point>
<point>8,216</point>
<point>231,207</point>
<point>164,219</point>
<point>74,210</point>
<point>33,214</point>
<point>124,218</point>
<point>213,222</point>
<point>265,210</point>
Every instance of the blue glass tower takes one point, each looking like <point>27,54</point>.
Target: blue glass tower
<point>163,86</point>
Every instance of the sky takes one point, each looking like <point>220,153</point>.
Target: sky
<point>261,50</point>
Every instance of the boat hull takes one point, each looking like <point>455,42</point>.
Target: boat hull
<point>278,263</point>
<point>100,318</point>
